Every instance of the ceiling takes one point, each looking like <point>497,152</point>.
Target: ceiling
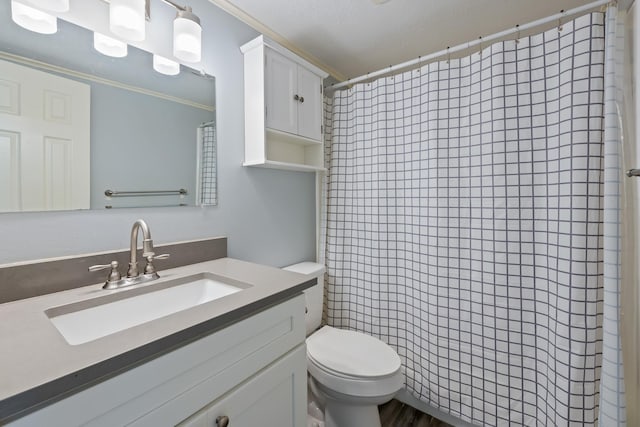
<point>349,38</point>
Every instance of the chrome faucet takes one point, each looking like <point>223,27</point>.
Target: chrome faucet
<point>133,274</point>
<point>147,246</point>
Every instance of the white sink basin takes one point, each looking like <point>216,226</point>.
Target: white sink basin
<point>89,320</point>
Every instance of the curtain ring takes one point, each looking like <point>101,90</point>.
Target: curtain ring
<point>560,21</point>
<point>518,34</point>
<point>448,55</point>
<point>480,52</point>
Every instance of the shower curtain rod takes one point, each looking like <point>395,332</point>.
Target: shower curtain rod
<point>468,45</point>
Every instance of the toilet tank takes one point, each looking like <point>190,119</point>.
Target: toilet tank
<point>313,295</point>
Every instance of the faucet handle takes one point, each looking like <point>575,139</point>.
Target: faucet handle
<point>149,268</point>
<point>114,274</point>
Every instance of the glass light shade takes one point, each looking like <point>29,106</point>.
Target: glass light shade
<point>127,19</point>
<point>109,46</point>
<point>55,5</point>
<point>33,19</point>
<point>165,66</point>
<point>187,39</point>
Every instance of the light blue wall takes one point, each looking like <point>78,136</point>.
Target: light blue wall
<point>141,142</point>
<point>268,216</point>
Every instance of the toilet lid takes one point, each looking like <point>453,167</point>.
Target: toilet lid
<point>352,353</point>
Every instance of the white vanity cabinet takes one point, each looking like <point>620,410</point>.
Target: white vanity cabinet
<point>283,108</point>
<point>253,372</point>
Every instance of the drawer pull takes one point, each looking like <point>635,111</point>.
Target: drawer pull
<point>222,421</point>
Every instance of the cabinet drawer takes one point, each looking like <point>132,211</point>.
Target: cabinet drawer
<point>276,396</point>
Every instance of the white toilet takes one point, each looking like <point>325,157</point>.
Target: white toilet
<point>351,373</point>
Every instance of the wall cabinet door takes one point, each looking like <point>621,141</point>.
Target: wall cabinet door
<point>309,104</point>
<point>275,396</point>
<point>281,87</point>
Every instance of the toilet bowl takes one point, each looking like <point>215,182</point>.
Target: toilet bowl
<point>350,372</point>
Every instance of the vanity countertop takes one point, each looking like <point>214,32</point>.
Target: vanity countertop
<point>38,366</point>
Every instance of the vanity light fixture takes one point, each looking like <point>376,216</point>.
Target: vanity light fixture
<point>187,35</point>
<point>109,46</point>
<point>55,5</point>
<point>165,66</point>
<point>33,19</point>
<point>127,19</point>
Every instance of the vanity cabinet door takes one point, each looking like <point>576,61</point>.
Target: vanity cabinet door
<point>275,396</point>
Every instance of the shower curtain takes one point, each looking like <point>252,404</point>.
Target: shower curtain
<point>463,225</point>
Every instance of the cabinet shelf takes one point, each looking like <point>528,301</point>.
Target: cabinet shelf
<point>272,164</point>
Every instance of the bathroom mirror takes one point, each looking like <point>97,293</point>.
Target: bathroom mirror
<point>152,139</point>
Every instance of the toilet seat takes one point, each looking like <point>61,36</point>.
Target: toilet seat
<point>353,363</point>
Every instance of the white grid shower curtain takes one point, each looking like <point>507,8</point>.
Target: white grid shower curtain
<point>464,225</point>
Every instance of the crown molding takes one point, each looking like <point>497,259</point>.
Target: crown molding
<point>243,16</point>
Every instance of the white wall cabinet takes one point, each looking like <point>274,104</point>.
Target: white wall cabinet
<point>283,108</point>
<point>253,372</point>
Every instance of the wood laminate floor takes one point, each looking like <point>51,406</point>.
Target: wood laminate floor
<point>397,414</point>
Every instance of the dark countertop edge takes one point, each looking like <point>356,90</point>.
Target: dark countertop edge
<point>46,394</point>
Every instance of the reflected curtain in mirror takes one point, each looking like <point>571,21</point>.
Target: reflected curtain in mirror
<point>207,194</point>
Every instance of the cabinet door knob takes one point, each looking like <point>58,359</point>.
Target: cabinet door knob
<point>296,97</point>
<point>222,421</point>
<point>302,99</point>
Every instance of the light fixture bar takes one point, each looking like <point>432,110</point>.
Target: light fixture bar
<point>177,6</point>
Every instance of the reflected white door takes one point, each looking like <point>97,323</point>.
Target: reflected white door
<point>44,141</point>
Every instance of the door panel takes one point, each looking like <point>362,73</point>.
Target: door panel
<point>9,97</point>
<point>10,201</point>
<point>57,167</point>
<point>280,90</point>
<point>309,111</point>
